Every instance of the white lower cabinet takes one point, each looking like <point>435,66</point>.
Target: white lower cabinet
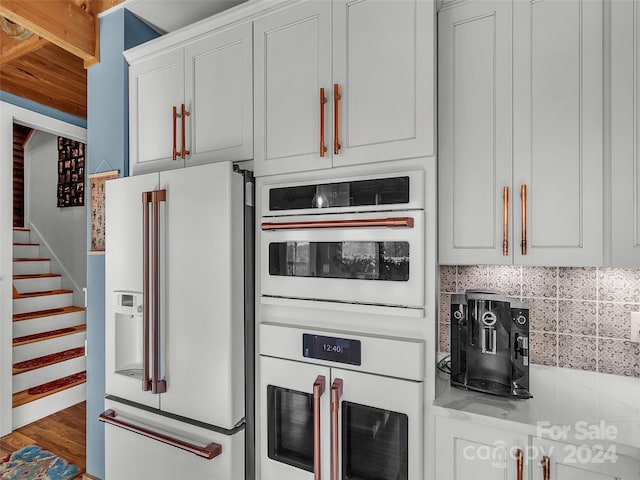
<point>567,461</point>
<point>466,451</point>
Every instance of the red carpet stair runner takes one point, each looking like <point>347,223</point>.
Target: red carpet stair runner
<point>48,337</point>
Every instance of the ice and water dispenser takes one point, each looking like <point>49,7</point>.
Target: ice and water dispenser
<point>128,323</point>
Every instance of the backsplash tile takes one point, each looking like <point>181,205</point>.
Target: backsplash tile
<point>579,316</point>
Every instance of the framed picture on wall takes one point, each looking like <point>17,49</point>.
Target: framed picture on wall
<point>70,173</point>
<point>96,184</point>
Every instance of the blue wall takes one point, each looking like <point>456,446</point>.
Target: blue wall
<point>42,109</point>
<point>107,149</point>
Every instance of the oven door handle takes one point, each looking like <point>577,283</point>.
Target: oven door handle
<point>393,222</point>
<point>318,390</point>
<point>336,394</point>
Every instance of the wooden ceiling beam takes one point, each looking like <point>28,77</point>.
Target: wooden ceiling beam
<point>11,49</point>
<point>61,22</point>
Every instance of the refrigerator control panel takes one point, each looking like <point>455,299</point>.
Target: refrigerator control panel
<point>128,303</point>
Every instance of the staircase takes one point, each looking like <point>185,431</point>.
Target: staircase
<point>49,366</point>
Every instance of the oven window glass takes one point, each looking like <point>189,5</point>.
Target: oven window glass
<point>374,443</point>
<point>354,260</point>
<point>379,191</point>
<point>290,427</point>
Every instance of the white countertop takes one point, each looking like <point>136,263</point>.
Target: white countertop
<point>561,396</point>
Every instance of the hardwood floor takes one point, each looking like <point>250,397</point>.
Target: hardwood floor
<point>62,433</point>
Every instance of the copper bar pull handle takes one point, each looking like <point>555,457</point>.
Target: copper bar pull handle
<point>546,468</point>
<point>523,195</point>
<point>157,385</point>
<point>208,451</point>
<point>323,101</point>
<point>146,381</point>
<point>393,222</point>
<point>336,119</point>
<point>175,133</point>
<point>505,221</point>
<point>318,390</point>
<point>336,394</point>
<point>185,114</point>
<point>520,464</point>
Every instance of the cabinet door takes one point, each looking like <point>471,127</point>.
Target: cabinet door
<point>201,287</point>
<point>287,419</point>
<point>581,462</point>
<point>474,164</point>
<point>155,87</point>
<point>292,61</point>
<point>625,130</point>
<point>558,130</point>
<point>383,62</point>
<point>467,451</point>
<point>219,97</point>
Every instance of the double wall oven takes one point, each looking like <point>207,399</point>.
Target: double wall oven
<point>340,399</point>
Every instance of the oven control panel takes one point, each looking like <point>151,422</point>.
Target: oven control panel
<point>332,349</point>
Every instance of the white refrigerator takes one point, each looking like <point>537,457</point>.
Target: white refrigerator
<point>179,325</point>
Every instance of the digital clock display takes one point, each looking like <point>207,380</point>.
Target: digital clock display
<point>332,349</point>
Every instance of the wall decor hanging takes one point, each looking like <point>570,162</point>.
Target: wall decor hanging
<point>70,173</point>
<point>96,184</point>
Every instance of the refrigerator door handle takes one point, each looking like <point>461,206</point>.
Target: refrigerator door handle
<point>151,294</point>
<point>208,451</point>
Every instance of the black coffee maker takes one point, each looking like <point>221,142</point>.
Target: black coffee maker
<point>490,343</point>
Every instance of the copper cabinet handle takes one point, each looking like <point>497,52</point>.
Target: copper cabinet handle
<point>336,394</point>
<point>323,101</point>
<point>336,118</point>
<point>505,221</point>
<point>184,115</point>
<point>520,464</point>
<point>395,222</point>
<point>146,381</point>
<point>523,196</point>
<point>209,451</point>
<point>175,139</point>
<point>318,390</point>
<point>546,468</point>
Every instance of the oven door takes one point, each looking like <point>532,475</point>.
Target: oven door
<point>374,258</point>
<point>294,420</point>
<point>379,430</point>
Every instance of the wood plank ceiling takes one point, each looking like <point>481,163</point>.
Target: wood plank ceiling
<point>49,66</point>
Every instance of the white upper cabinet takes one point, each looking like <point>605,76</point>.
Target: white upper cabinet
<point>558,130</point>
<point>193,105</point>
<point>474,68</point>
<point>371,61</point>
<point>625,132</point>
<point>156,87</point>
<point>521,133</point>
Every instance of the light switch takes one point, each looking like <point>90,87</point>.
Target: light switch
<point>635,327</point>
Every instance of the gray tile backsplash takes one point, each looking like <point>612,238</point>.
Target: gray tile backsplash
<point>579,316</point>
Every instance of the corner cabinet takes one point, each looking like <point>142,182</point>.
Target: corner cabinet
<point>521,133</point>
<point>194,104</point>
<point>625,133</point>
<point>343,83</point>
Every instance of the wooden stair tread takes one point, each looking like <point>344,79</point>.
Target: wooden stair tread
<point>46,360</point>
<point>35,259</point>
<point>46,313</point>
<point>27,276</point>
<point>21,229</point>
<point>45,293</point>
<point>19,244</point>
<point>42,336</point>
<point>46,389</point>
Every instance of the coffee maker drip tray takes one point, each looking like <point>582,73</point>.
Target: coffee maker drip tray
<point>495,388</point>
